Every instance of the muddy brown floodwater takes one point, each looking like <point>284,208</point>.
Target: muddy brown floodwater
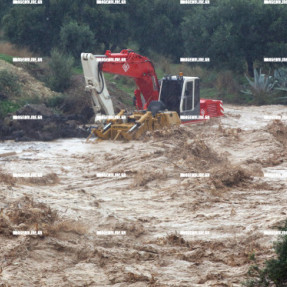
<point>151,227</point>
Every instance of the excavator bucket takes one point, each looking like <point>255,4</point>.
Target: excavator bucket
<point>135,125</point>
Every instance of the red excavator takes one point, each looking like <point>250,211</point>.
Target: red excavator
<point>159,103</point>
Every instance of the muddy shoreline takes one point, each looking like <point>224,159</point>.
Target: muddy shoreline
<point>39,123</point>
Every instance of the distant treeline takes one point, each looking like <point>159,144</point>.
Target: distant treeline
<point>234,34</point>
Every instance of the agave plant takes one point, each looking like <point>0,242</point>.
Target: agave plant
<point>262,87</point>
<point>262,83</point>
<point>280,75</point>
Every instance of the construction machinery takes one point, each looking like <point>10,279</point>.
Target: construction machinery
<point>171,101</point>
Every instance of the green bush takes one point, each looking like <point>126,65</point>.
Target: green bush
<point>31,99</point>
<point>60,71</point>
<point>9,85</point>
<point>7,107</point>
<point>57,101</point>
<point>6,58</point>
<point>76,39</point>
<point>275,271</point>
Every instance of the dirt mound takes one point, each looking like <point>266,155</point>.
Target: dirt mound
<point>35,110</point>
<point>25,215</point>
<point>47,125</point>
<point>121,100</point>
<point>279,131</point>
<point>29,85</point>
<point>7,179</point>
<point>230,176</point>
<point>194,153</point>
<point>78,101</point>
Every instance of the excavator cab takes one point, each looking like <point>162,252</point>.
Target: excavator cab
<point>181,94</point>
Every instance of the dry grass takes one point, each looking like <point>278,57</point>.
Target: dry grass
<point>225,81</point>
<point>190,71</point>
<point>11,50</point>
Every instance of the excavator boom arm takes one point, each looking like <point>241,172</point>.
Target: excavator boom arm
<point>130,64</point>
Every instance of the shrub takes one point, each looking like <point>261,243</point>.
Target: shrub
<point>275,271</point>
<point>261,88</point>
<point>226,82</point>
<point>7,107</point>
<point>9,85</point>
<point>76,39</point>
<point>56,101</point>
<point>60,71</point>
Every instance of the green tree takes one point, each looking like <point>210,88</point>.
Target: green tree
<point>60,71</point>
<point>4,6</point>
<point>75,39</point>
<point>24,26</point>
<point>166,36</point>
<point>275,271</point>
<point>141,20</point>
<point>110,25</point>
<point>235,32</point>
